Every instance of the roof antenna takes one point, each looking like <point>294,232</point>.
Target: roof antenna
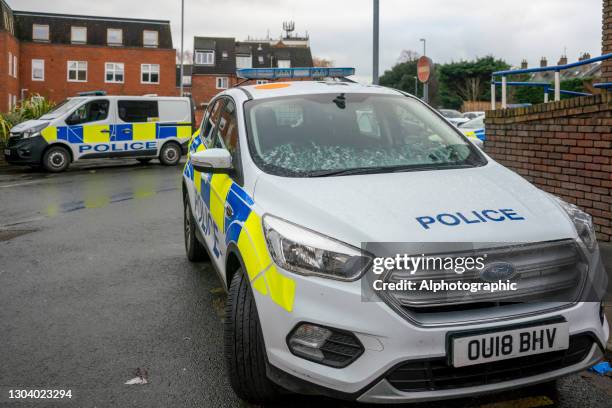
<point>289,27</point>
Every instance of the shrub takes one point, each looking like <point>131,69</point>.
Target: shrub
<point>32,108</point>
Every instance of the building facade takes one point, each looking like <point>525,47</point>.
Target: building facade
<point>58,56</point>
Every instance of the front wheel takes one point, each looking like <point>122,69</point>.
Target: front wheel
<point>244,345</point>
<point>194,249</point>
<point>56,159</point>
<point>170,154</point>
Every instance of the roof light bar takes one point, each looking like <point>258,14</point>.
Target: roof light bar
<point>279,73</point>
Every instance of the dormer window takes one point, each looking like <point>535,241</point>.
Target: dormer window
<point>114,36</point>
<point>204,58</point>
<point>40,32</point>
<point>78,35</point>
<point>150,39</point>
<point>224,55</point>
<point>244,61</point>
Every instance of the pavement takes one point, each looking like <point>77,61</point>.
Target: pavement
<point>94,285</point>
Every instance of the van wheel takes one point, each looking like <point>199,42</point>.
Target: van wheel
<point>170,154</point>
<point>244,345</point>
<point>56,159</point>
<point>194,249</point>
<point>144,161</point>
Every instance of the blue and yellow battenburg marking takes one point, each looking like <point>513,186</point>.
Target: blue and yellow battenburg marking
<point>90,134</point>
<point>479,133</point>
<point>243,228</point>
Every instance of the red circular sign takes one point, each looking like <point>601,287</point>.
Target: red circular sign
<point>424,69</point>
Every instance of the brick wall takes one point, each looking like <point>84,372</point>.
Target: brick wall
<point>56,56</point>
<point>564,148</point>
<point>607,40</point>
<point>9,85</point>
<point>204,87</point>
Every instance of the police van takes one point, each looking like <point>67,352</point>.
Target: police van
<point>97,126</point>
<point>284,184</point>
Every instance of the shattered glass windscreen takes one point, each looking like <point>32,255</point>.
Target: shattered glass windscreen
<point>310,135</point>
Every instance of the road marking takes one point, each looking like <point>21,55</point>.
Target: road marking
<point>529,402</point>
<point>20,184</point>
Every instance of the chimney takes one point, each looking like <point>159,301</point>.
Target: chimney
<point>606,44</point>
<point>543,62</point>
<point>562,60</point>
<point>584,56</point>
<point>524,64</point>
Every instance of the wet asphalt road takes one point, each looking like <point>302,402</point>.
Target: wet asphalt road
<point>94,284</point>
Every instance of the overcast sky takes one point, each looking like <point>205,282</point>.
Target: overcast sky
<point>341,29</point>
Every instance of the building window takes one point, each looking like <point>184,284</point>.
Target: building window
<point>114,72</point>
<point>284,63</point>
<point>38,70</point>
<point>14,100</point>
<point>149,73</point>
<point>244,61</point>
<point>261,59</point>
<point>187,80</point>
<point>222,82</point>
<point>10,64</point>
<point>150,38</point>
<point>224,55</point>
<point>114,36</point>
<point>40,32</point>
<point>205,58</point>
<point>77,71</point>
<point>78,35</point>
<point>15,66</point>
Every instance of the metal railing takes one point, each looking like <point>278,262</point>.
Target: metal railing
<point>556,88</point>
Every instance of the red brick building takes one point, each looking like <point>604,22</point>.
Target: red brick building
<point>58,56</point>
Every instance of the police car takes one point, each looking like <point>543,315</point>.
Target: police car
<point>96,126</point>
<point>286,181</point>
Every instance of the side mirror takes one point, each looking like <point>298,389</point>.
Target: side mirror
<point>212,161</point>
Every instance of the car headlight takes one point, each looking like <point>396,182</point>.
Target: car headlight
<point>34,131</point>
<point>583,223</point>
<point>306,252</point>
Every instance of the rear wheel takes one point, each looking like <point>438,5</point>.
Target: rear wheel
<point>170,154</point>
<point>56,159</point>
<point>194,249</point>
<point>244,345</point>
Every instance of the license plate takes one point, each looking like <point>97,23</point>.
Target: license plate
<point>503,345</point>
<point>7,152</point>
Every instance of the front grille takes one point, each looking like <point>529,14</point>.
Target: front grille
<point>545,272</point>
<point>437,374</point>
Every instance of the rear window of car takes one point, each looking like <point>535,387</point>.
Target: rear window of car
<point>134,111</point>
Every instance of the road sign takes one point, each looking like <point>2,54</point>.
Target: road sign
<point>424,69</point>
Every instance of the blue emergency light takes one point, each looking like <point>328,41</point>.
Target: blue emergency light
<point>280,73</point>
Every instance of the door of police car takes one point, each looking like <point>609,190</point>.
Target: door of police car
<point>89,129</point>
<point>137,126</point>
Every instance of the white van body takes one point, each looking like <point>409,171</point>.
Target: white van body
<point>90,127</point>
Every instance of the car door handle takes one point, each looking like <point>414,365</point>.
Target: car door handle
<point>229,211</point>
<point>105,131</point>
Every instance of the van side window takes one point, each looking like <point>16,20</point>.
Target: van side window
<point>227,133</point>
<point>93,111</point>
<point>138,111</point>
<point>211,121</point>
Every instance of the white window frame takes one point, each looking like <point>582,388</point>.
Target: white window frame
<point>208,60</point>
<point>149,71</point>
<point>15,67</point>
<point>35,26</point>
<point>243,59</point>
<point>114,30</point>
<point>144,37</point>
<point>219,82</point>
<point>78,69</point>
<point>42,62</point>
<point>10,99</point>
<point>187,80</point>
<point>283,63</point>
<point>261,59</point>
<point>77,29</point>
<point>117,67</point>
<point>14,100</point>
<point>10,64</point>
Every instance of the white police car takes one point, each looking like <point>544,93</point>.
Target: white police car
<point>284,184</point>
<point>94,126</point>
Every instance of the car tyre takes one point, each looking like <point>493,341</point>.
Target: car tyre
<point>144,161</point>
<point>193,247</point>
<point>245,353</point>
<point>56,159</point>
<point>170,154</point>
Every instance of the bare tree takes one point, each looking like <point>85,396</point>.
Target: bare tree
<point>322,62</point>
<point>187,57</point>
<point>407,56</point>
<point>471,89</point>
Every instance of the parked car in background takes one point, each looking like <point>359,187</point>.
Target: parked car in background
<point>453,116</point>
<point>473,114</point>
<point>474,127</point>
<point>100,126</point>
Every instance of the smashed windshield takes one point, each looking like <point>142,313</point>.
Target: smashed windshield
<point>61,109</point>
<point>327,134</point>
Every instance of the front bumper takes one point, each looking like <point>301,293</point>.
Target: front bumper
<point>389,340</point>
<point>24,151</point>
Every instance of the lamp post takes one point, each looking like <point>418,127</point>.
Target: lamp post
<point>375,41</point>
<point>426,84</point>
<point>182,43</point>
<point>424,41</point>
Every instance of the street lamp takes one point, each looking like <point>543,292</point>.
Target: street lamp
<point>424,41</point>
<point>182,43</point>
<point>375,43</point>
